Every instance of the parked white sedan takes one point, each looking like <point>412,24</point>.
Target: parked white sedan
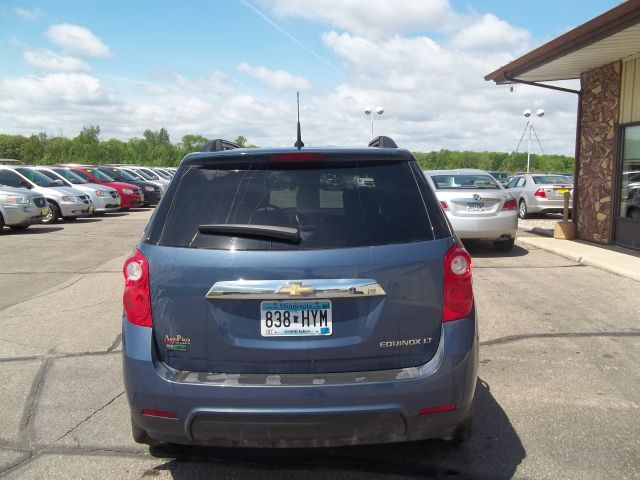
<point>477,206</point>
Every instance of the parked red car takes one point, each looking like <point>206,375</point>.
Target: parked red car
<point>131,195</point>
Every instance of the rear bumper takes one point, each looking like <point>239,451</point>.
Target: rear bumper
<point>239,411</point>
<point>544,205</point>
<point>487,228</point>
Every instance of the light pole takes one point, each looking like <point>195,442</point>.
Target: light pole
<point>370,111</point>
<point>529,116</point>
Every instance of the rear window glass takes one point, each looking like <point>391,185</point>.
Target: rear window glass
<point>550,179</point>
<point>331,205</point>
<point>460,182</point>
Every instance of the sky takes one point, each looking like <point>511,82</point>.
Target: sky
<point>224,68</point>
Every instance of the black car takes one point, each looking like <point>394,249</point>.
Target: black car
<point>152,193</point>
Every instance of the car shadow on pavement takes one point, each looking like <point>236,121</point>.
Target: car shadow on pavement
<point>33,230</point>
<point>494,450</point>
<point>484,249</point>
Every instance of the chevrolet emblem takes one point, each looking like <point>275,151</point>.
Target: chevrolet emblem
<point>295,289</point>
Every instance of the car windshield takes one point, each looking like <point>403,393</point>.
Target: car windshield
<point>52,176</point>
<point>103,177</point>
<point>144,175</point>
<point>37,178</point>
<point>162,174</point>
<point>327,206</point>
<point>119,174</point>
<point>70,176</point>
<point>550,179</point>
<point>464,181</point>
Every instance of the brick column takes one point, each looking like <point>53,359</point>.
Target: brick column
<point>598,142</point>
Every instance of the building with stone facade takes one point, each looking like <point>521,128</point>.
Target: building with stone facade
<point>604,54</point>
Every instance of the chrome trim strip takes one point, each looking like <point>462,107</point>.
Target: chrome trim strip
<point>307,379</point>
<point>292,289</point>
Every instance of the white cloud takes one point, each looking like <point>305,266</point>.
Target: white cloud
<point>372,18</point>
<point>276,79</point>
<point>490,33</point>
<point>48,60</point>
<point>430,84</point>
<point>77,41</point>
<point>70,89</point>
<point>28,13</point>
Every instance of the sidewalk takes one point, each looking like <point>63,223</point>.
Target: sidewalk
<point>612,259</point>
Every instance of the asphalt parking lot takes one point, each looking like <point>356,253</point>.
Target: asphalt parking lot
<point>558,394</point>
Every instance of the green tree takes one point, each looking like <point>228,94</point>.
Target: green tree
<point>240,141</point>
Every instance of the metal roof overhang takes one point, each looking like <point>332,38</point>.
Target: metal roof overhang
<point>612,36</point>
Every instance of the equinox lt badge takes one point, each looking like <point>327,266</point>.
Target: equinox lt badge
<point>405,343</point>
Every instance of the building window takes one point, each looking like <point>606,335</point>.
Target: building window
<point>630,182</point>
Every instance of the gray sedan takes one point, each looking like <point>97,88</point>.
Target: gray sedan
<point>477,206</point>
<point>540,193</point>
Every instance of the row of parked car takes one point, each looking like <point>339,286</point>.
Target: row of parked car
<point>46,194</point>
<point>479,206</point>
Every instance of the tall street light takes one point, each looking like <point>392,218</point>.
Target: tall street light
<point>370,111</point>
<point>529,115</point>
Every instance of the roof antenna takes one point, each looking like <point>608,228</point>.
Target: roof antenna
<point>298,143</point>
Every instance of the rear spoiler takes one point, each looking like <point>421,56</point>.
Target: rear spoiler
<point>218,145</point>
<point>383,142</point>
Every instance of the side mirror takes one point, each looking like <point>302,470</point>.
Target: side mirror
<point>25,184</point>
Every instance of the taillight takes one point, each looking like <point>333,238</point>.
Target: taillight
<point>444,205</point>
<point>540,193</point>
<point>510,204</point>
<point>458,290</point>
<point>296,157</point>
<point>136,299</point>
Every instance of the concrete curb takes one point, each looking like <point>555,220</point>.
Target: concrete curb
<point>593,256</point>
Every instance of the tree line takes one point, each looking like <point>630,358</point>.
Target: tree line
<point>156,148</point>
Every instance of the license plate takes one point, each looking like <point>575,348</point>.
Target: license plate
<point>118,201</point>
<point>562,190</point>
<point>475,206</point>
<point>90,208</point>
<point>142,198</point>
<point>296,318</point>
<point>44,211</point>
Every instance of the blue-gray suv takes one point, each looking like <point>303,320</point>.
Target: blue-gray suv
<point>267,307</point>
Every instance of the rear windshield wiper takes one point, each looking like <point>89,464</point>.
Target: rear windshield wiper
<point>246,230</point>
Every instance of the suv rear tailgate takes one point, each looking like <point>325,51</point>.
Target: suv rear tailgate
<point>398,329</point>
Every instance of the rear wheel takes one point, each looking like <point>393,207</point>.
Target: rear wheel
<point>1,222</point>
<point>504,245</point>
<point>53,215</point>
<point>635,214</point>
<point>522,210</point>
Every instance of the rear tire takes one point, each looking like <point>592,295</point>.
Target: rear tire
<point>53,215</point>
<point>1,223</point>
<point>522,210</point>
<point>635,214</point>
<point>140,435</point>
<point>504,245</point>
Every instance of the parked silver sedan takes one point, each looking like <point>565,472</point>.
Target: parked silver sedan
<point>477,206</point>
<point>539,193</point>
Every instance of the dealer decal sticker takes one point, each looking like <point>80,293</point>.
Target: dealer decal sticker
<point>177,343</point>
